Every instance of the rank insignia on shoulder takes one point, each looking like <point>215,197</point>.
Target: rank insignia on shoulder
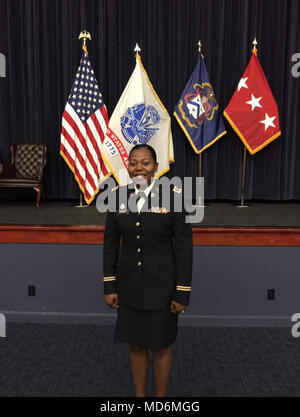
<point>177,189</point>
<point>115,188</point>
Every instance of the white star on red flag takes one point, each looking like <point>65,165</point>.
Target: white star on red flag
<point>268,122</point>
<point>242,83</point>
<point>254,102</point>
<point>254,125</point>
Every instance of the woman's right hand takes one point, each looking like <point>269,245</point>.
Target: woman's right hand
<point>112,300</point>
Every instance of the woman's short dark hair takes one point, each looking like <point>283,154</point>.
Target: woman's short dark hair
<point>142,145</point>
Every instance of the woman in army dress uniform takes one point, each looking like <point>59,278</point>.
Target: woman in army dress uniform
<point>147,272</point>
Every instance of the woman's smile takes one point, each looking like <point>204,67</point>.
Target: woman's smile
<point>142,166</point>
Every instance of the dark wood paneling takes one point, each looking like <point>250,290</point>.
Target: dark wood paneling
<point>203,236</point>
<point>52,234</point>
<point>246,236</point>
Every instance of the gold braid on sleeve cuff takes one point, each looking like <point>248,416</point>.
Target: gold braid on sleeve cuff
<point>182,288</point>
<point>107,279</point>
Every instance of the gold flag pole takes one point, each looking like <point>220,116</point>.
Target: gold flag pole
<point>200,154</point>
<point>242,205</point>
<point>200,159</point>
<point>84,35</point>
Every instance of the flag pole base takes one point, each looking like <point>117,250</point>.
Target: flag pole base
<point>80,205</point>
<point>242,205</point>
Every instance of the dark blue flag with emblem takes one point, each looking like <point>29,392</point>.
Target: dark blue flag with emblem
<point>197,110</point>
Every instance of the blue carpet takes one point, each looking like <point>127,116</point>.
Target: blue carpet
<point>83,361</point>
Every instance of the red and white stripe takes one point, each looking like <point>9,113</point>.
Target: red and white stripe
<point>81,145</point>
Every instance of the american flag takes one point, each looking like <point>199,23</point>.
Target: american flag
<point>84,126</point>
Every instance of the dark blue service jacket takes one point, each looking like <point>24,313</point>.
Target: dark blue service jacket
<point>147,256</point>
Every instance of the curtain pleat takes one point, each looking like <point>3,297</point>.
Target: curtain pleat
<point>39,39</point>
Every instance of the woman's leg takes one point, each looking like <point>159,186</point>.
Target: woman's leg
<point>138,362</point>
<point>162,359</point>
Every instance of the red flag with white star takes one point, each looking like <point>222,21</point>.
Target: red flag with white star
<point>252,110</point>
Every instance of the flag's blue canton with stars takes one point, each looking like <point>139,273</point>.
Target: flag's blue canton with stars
<point>85,96</point>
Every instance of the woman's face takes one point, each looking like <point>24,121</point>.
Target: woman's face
<point>141,166</point>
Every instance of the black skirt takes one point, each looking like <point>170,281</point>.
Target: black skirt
<point>155,329</point>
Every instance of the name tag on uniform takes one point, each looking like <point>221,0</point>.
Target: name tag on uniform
<point>161,210</point>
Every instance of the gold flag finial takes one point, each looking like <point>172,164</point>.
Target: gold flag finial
<point>85,35</point>
<point>254,50</point>
<point>199,45</point>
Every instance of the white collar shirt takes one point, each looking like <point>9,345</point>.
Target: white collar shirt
<point>141,201</point>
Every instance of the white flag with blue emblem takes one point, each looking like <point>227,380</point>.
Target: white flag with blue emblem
<point>139,118</point>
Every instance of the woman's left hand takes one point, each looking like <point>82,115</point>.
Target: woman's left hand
<point>177,308</point>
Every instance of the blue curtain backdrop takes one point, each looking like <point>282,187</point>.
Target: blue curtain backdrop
<point>40,41</point>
